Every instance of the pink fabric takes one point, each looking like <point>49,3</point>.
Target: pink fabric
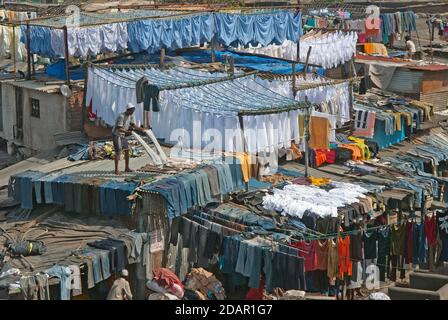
<point>369,130</point>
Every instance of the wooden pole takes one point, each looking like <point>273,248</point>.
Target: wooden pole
<point>307,60</point>
<point>28,50</point>
<point>212,52</point>
<point>84,99</point>
<point>240,119</point>
<point>66,57</point>
<point>294,89</point>
<point>232,65</point>
<point>307,134</point>
<point>162,57</point>
<point>14,51</point>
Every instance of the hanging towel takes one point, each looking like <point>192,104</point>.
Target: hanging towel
<point>320,133</point>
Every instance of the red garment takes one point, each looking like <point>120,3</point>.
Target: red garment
<point>307,250</point>
<point>344,262</point>
<point>321,255</point>
<point>331,156</point>
<point>166,278</point>
<point>431,229</point>
<point>256,293</point>
<point>409,242</point>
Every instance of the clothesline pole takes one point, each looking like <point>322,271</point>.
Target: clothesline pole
<point>140,269</point>
<point>294,89</point>
<point>307,60</point>
<point>240,119</point>
<point>66,57</point>
<point>307,133</point>
<point>84,98</point>
<point>28,50</point>
<point>162,57</point>
<point>14,50</point>
<point>212,49</point>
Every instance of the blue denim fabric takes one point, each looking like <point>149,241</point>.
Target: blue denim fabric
<point>200,189</point>
<point>236,171</point>
<point>38,191</point>
<point>267,269</point>
<point>171,197</point>
<point>96,262</point>
<point>418,191</point>
<point>255,184</point>
<point>420,247</point>
<point>179,190</point>
<point>105,263</point>
<point>24,187</point>
<point>63,273</point>
<point>206,186</point>
<point>187,189</point>
<point>113,197</point>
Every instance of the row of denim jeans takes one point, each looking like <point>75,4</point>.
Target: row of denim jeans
<point>78,194</point>
<point>199,186</point>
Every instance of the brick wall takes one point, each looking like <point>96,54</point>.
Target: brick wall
<point>74,110</point>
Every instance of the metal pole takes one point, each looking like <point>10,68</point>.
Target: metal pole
<point>307,134</point>
<point>66,57</point>
<point>28,50</point>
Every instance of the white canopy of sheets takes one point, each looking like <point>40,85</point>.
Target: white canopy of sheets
<point>334,98</point>
<point>294,200</point>
<point>328,50</point>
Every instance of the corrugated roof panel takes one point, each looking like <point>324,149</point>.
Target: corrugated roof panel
<point>405,81</point>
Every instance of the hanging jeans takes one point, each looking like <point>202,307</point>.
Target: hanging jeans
<point>397,261</point>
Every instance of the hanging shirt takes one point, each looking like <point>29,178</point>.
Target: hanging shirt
<point>345,263</point>
<point>430,229</point>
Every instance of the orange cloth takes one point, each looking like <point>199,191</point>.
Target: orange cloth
<point>376,48</point>
<point>357,152</point>
<point>319,133</point>
<point>321,157</point>
<point>344,262</point>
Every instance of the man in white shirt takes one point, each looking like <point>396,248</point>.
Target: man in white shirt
<point>410,47</point>
<point>120,290</point>
<point>124,124</point>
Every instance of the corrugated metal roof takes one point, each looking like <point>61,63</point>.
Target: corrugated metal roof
<point>405,81</point>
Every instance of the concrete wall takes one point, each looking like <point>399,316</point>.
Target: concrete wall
<point>37,132</point>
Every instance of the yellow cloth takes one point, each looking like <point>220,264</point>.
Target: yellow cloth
<point>376,48</point>
<point>301,125</point>
<point>319,181</point>
<point>365,154</point>
<point>245,164</point>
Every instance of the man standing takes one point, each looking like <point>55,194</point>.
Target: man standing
<point>120,290</point>
<point>124,125</point>
<point>410,47</point>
